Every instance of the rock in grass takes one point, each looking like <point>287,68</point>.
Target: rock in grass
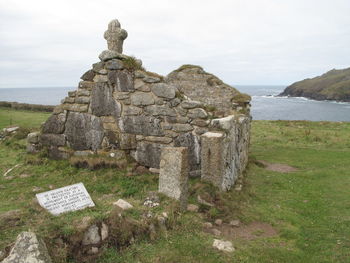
<point>223,245</point>
<point>192,208</point>
<point>92,236</point>
<point>123,204</point>
<point>28,248</point>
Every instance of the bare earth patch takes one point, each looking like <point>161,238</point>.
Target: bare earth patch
<point>251,231</point>
<point>278,167</point>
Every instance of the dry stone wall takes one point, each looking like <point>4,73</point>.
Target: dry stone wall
<point>121,107</point>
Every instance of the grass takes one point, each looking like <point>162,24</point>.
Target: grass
<point>26,119</point>
<point>309,208</point>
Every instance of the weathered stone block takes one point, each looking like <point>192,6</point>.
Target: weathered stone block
<point>131,111</point>
<point>55,124</point>
<point>178,127</point>
<point>160,110</point>
<point>163,90</point>
<point>114,64</point>
<point>200,122</point>
<point>148,154</point>
<point>164,140</point>
<point>189,104</point>
<point>151,79</point>
<point>142,99</point>
<point>72,93</point>
<point>102,102</point>
<point>69,100</point>
<point>192,142</point>
<point>122,80</point>
<point>145,125</point>
<point>111,54</point>
<point>86,85</point>
<point>141,86</point>
<point>84,131</point>
<point>121,95</point>
<point>82,100</point>
<point>97,67</point>
<point>75,107</point>
<point>100,78</point>
<point>174,172</point>
<point>83,92</point>
<point>48,139</point>
<point>197,113</point>
<point>215,160</point>
<point>88,75</point>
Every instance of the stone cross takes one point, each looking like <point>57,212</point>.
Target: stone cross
<point>115,36</point>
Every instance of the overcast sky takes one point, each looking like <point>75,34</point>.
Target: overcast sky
<point>45,43</point>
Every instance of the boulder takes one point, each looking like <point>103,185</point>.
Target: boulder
<point>223,245</point>
<point>28,249</point>
<point>55,124</point>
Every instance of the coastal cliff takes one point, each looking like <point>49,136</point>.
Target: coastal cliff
<point>333,85</point>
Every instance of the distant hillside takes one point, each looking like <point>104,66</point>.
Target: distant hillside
<point>333,85</point>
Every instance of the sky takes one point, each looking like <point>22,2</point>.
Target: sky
<point>47,43</point>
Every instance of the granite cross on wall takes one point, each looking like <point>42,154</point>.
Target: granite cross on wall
<point>115,36</point>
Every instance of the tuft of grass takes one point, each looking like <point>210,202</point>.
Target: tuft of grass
<point>187,66</point>
<point>132,64</point>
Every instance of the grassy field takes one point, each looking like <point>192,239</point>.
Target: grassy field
<point>308,210</point>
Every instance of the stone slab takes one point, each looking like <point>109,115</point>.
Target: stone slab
<point>66,199</point>
<point>174,173</point>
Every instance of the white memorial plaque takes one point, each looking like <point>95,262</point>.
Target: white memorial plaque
<point>69,198</point>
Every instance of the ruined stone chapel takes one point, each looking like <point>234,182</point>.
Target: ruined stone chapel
<point>119,106</point>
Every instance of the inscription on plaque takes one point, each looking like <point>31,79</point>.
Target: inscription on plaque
<point>69,198</point>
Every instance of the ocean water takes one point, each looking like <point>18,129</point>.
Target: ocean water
<point>265,104</point>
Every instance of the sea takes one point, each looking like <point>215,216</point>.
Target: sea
<point>266,105</point>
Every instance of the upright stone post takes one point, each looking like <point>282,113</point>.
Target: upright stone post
<point>174,172</point>
<point>213,159</point>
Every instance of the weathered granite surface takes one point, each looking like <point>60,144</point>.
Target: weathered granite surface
<point>28,249</point>
<point>174,173</point>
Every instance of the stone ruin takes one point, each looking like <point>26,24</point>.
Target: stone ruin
<point>119,106</point>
